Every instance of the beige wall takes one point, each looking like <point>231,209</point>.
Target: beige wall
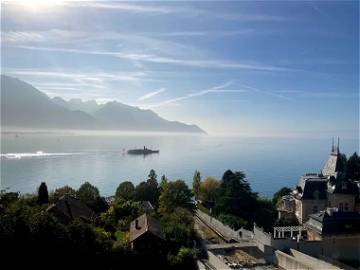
<point>306,207</point>
<point>334,200</point>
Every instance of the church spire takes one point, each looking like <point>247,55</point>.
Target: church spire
<point>332,146</point>
<point>338,146</point>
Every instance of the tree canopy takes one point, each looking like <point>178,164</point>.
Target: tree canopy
<point>43,195</point>
<point>125,190</point>
<point>175,194</point>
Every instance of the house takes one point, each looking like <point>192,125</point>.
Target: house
<point>147,206</point>
<point>331,223</point>
<point>68,208</point>
<point>317,191</point>
<point>146,234</point>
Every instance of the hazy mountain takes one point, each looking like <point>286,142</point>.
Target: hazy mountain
<point>121,116</point>
<point>77,104</point>
<point>22,105</point>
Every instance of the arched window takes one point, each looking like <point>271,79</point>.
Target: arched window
<point>346,207</point>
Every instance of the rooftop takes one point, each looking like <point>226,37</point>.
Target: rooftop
<point>143,224</point>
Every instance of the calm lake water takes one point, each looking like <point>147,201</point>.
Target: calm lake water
<point>269,163</point>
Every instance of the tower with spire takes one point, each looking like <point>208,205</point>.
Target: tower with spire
<point>333,163</point>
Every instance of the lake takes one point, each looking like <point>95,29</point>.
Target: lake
<point>269,163</point>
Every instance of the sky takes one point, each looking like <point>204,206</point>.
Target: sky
<point>253,68</point>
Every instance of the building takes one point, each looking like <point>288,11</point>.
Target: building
<point>331,223</point>
<point>317,191</point>
<point>146,234</point>
<point>68,208</point>
<point>147,206</point>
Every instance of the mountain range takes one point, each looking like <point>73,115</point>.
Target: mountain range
<point>24,106</point>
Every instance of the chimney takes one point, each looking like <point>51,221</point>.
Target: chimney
<point>137,224</point>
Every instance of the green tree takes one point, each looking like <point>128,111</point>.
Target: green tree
<point>235,196</point>
<point>176,194</point>
<point>125,190</point>
<point>152,177</point>
<point>280,193</point>
<point>43,195</point>
<point>59,192</point>
<point>196,184</point>
<point>90,195</point>
<point>209,189</point>
<point>163,182</point>
<point>353,167</point>
<point>265,214</point>
<point>178,227</point>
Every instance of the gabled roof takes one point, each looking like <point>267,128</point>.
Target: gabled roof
<point>69,208</point>
<point>146,205</point>
<point>334,223</point>
<point>145,224</point>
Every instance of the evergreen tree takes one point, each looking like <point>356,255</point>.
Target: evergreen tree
<point>353,167</point>
<point>43,195</point>
<point>196,184</point>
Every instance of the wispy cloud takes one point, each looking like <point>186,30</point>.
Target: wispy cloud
<point>151,94</point>
<point>84,77</point>
<point>152,58</point>
<point>183,10</point>
<point>214,89</point>
<point>267,92</point>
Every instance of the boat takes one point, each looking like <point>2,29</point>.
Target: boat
<point>142,151</point>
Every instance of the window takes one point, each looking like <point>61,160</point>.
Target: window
<point>341,207</point>
<point>346,207</point>
<point>315,209</point>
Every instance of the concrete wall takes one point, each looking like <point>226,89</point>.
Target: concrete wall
<point>288,262</point>
<point>312,262</point>
<point>216,262</point>
<point>219,227</point>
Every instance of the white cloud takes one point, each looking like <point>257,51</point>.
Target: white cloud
<point>151,94</point>
<point>214,89</point>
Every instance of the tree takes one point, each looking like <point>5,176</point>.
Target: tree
<point>125,190</point>
<point>265,214</point>
<point>280,193</point>
<point>43,195</point>
<point>209,189</point>
<point>176,194</point>
<point>147,191</point>
<point>152,177</point>
<point>163,182</point>
<point>178,227</point>
<point>235,196</point>
<point>59,192</point>
<point>353,167</point>
<point>196,184</point>
<point>90,195</point>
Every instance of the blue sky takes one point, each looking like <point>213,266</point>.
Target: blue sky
<point>258,68</point>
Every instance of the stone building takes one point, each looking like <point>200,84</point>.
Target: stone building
<point>317,191</point>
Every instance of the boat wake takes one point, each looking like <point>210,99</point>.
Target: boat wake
<point>36,154</point>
